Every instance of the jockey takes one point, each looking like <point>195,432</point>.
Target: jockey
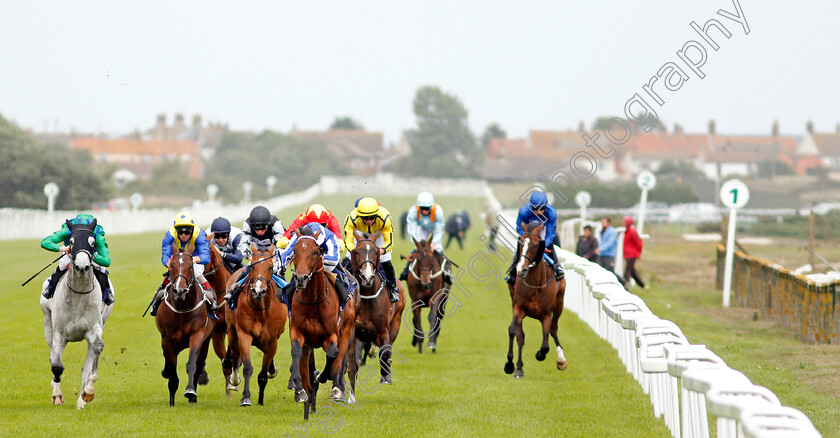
<point>329,247</point>
<point>59,241</point>
<point>425,218</point>
<point>369,217</point>
<point>262,228</point>
<point>537,209</point>
<point>226,240</point>
<point>316,213</point>
<point>185,236</point>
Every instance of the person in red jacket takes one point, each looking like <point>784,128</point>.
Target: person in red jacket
<point>632,252</point>
<point>316,213</point>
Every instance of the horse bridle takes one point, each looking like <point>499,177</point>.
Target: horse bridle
<point>532,264</point>
<point>260,277</point>
<point>359,270</point>
<point>311,274</point>
<point>72,259</point>
<point>171,285</point>
<point>431,276</point>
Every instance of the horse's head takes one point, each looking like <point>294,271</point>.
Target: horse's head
<point>308,259</point>
<point>364,259</point>
<point>530,243</point>
<point>424,258</point>
<point>181,274</point>
<point>82,245</point>
<point>260,275</point>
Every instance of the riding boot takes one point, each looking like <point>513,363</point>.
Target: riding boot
<point>510,278</point>
<point>237,286</point>
<point>341,291</point>
<point>51,283</point>
<point>210,300</point>
<point>404,273</point>
<point>390,281</point>
<point>158,298</point>
<point>105,285</point>
<point>288,292</point>
<point>558,270</point>
<point>447,271</point>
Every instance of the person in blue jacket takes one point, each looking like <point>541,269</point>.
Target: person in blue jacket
<point>537,209</point>
<point>607,248</point>
<point>185,235</point>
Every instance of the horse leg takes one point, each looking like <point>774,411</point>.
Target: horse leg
<point>196,341</point>
<point>245,341</point>
<point>418,329</point>
<point>511,333</point>
<point>304,355</point>
<point>268,360</point>
<point>546,325</point>
<point>561,359</point>
<point>202,377</point>
<point>434,323</point>
<point>89,376</point>
<point>313,382</point>
<point>520,342</point>
<point>232,372</point>
<point>353,365</point>
<point>331,348</point>
<point>57,344</point>
<point>170,361</point>
<point>396,320</point>
<point>384,356</point>
<point>296,380</point>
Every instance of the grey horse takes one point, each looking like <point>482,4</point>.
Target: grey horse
<point>75,313</point>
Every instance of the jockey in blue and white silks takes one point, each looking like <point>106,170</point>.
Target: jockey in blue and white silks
<point>537,209</point>
<point>425,218</point>
<point>330,250</point>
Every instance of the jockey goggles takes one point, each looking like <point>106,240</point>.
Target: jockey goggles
<point>184,230</point>
<point>222,235</point>
<point>258,227</point>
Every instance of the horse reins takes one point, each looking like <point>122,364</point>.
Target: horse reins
<point>431,276</point>
<point>189,286</point>
<point>532,264</point>
<point>312,275</point>
<point>93,286</point>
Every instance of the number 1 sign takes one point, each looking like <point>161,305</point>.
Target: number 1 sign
<point>733,194</point>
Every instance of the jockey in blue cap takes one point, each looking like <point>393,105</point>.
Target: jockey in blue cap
<point>537,209</point>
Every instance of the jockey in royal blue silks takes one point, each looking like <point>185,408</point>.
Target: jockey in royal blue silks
<point>184,235</point>
<point>330,250</point>
<point>537,210</point>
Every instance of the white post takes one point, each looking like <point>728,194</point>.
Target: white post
<point>136,199</point>
<point>619,251</point>
<point>51,191</point>
<point>733,194</point>
<point>270,182</point>
<point>212,189</point>
<point>246,187</point>
<point>583,199</point>
<point>646,181</point>
<point>730,255</point>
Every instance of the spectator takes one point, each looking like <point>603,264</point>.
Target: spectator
<point>587,245</point>
<point>632,252</point>
<point>491,219</point>
<point>607,248</point>
<point>455,227</point>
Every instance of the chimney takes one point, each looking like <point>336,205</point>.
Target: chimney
<point>161,121</point>
<point>775,130</point>
<point>678,129</point>
<point>809,127</point>
<point>197,120</point>
<point>179,118</point>
<point>838,129</point>
<point>712,127</point>
<point>581,127</point>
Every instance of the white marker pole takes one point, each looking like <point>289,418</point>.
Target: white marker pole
<point>51,191</point>
<point>583,199</point>
<point>646,181</point>
<point>733,194</point>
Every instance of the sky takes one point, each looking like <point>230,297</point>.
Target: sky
<point>112,67</point>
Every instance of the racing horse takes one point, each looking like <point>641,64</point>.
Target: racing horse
<point>257,319</point>
<point>75,313</point>
<point>182,323</point>
<point>315,323</point>
<point>535,294</point>
<point>377,321</point>
<point>426,288</point>
<point>217,274</point>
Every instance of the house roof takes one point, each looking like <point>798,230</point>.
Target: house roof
<point>97,145</point>
<point>502,147</point>
<point>347,142</point>
<point>828,144</point>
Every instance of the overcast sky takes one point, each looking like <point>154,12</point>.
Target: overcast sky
<point>112,66</point>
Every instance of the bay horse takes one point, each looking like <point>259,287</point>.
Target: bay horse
<point>75,313</point>
<point>182,323</point>
<point>377,320</point>
<point>535,294</point>
<point>315,324</point>
<point>258,320</point>
<point>217,274</point>
<point>426,288</point>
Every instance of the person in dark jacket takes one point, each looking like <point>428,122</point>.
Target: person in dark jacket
<point>632,252</point>
<point>587,244</point>
<point>456,226</point>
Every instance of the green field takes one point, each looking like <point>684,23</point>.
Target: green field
<point>459,391</point>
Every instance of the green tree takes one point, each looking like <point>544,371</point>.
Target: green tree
<point>492,130</point>
<point>26,166</point>
<point>442,144</point>
<point>346,123</point>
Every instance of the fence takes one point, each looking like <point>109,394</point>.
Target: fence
<point>688,384</point>
<point>808,307</point>
<point>35,224</point>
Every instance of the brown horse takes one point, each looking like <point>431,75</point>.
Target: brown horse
<point>315,324</point>
<point>377,320</point>
<point>217,275</point>
<point>426,288</point>
<point>259,319</point>
<point>182,322</point>
<point>536,294</point>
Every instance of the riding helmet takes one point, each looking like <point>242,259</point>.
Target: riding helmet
<point>184,219</point>
<point>317,213</point>
<point>259,215</point>
<point>220,225</point>
<point>538,199</point>
<point>368,207</point>
<point>425,200</point>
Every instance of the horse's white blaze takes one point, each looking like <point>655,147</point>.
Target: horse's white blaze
<point>367,271</point>
<point>521,265</point>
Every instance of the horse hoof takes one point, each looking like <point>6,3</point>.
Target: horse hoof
<point>322,378</point>
<point>58,400</point>
<point>561,366</point>
<point>509,368</point>
<point>337,396</point>
<point>386,380</point>
<point>432,346</point>
<point>519,374</point>
<point>316,374</point>
<point>203,378</point>
<point>87,397</point>
<point>272,375</point>
<point>301,397</point>
<point>540,355</point>
<point>191,395</point>
<point>80,404</point>
<point>373,351</point>
<point>245,402</point>
<point>232,388</point>
<point>561,360</point>
<point>413,342</point>
<point>351,399</point>
<point>272,370</point>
